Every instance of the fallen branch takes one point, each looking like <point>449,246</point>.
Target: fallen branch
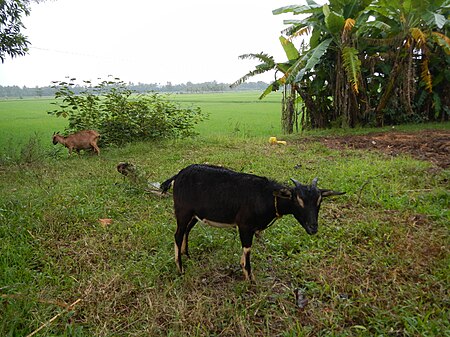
<point>156,192</point>
<point>138,179</point>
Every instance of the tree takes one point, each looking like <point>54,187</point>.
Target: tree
<point>307,72</point>
<point>329,66</point>
<point>12,41</point>
<point>268,64</point>
<point>368,61</point>
<point>412,30</point>
<point>382,48</point>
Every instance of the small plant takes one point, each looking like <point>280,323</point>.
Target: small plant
<point>29,153</point>
<point>121,116</point>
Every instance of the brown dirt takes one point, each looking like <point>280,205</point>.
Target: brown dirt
<point>429,145</point>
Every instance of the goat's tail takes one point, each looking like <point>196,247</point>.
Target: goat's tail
<point>165,186</point>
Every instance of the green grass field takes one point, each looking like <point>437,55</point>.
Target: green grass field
<point>379,265</point>
<point>24,118</point>
<point>237,114</point>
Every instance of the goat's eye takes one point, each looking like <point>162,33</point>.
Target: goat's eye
<point>301,202</point>
<point>319,200</point>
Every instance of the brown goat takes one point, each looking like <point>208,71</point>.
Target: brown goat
<point>80,140</point>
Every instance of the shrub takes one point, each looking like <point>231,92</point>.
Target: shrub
<point>120,115</point>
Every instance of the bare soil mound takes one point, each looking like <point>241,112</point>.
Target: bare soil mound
<point>430,145</point>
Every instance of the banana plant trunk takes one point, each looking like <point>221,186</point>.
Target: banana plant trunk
<point>384,100</point>
<point>288,113</point>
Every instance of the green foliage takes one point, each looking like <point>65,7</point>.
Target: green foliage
<point>309,60</point>
<point>334,21</point>
<point>363,60</point>
<point>120,116</point>
<point>267,63</point>
<point>12,41</point>
<point>289,48</point>
<point>352,65</point>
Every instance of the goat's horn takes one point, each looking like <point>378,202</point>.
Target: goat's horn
<point>297,184</point>
<point>314,182</point>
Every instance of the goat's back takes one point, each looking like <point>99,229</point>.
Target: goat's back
<point>91,134</point>
<point>83,138</point>
<point>219,189</point>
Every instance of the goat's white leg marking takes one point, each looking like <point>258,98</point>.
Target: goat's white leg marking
<point>183,245</point>
<point>245,253</point>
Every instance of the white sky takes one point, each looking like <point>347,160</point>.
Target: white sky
<point>146,41</point>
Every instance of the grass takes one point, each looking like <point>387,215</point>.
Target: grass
<point>379,265</point>
<point>239,114</point>
<point>27,118</point>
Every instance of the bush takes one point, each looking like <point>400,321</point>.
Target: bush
<point>120,115</point>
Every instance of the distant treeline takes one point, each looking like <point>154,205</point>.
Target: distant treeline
<point>189,87</point>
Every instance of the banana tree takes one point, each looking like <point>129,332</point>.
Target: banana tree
<point>332,62</point>
<point>363,54</point>
<point>410,32</point>
<point>326,73</point>
<point>289,115</point>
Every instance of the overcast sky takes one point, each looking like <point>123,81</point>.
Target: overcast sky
<point>146,41</point>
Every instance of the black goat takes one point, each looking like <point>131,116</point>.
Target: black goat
<point>223,198</point>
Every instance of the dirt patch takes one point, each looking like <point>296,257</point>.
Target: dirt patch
<point>429,145</point>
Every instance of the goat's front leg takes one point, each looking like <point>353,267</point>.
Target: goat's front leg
<point>246,241</point>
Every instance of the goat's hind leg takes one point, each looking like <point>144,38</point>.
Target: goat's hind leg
<point>184,245</point>
<point>183,223</point>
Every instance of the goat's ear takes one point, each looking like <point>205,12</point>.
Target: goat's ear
<point>329,193</point>
<point>284,193</point>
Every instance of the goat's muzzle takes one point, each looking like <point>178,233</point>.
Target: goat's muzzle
<point>311,230</point>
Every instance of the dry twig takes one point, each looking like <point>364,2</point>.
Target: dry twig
<point>54,317</point>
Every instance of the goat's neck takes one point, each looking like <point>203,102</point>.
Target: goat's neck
<point>62,140</point>
<point>282,207</point>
